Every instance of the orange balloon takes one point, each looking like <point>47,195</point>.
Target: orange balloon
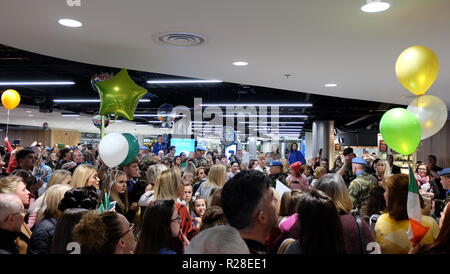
<point>10,99</point>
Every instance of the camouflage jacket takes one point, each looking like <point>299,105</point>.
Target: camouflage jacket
<point>280,177</point>
<point>359,189</point>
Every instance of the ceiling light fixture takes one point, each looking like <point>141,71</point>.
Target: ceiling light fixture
<point>88,100</point>
<point>70,23</point>
<point>240,63</point>
<point>375,6</point>
<point>70,114</point>
<point>183,81</point>
<point>330,85</point>
<point>258,105</point>
<point>36,83</point>
<point>156,115</point>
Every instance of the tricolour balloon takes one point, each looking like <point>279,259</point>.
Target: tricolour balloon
<point>417,68</point>
<point>10,99</point>
<point>401,130</point>
<point>431,112</point>
<point>133,149</point>
<point>113,149</point>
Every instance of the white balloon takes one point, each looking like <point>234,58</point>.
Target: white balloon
<point>432,113</point>
<point>113,149</point>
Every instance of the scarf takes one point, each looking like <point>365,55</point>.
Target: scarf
<point>423,182</point>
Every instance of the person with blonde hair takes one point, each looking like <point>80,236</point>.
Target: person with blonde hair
<point>115,185</point>
<point>352,225</point>
<point>85,175</point>
<point>151,174</point>
<point>169,186</point>
<point>15,185</point>
<point>318,173</point>
<point>382,170</point>
<point>48,214</point>
<point>216,178</point>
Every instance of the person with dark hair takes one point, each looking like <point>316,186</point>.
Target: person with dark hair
<point>234,170</point>
<point>394,169</point>
<point>346,169</point>
<point>442,243</point>
<point>84,197</point>
<point>63,230</point>
<point>296,155</point>
<point>434,173</point>
<point>253,164</point>
<point>25,159</point>
<point>250,206</point>
<point>213,216</point>
<point>374,207</point>
<point>322,235</point>
<point>65,156</point>
<point>159,146</point>
<point>391,227</point>
<point>161,229</point>
<point>171,153</point>
<point>104,233</point>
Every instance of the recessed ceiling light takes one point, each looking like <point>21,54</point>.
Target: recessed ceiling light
<point>240,63</point>
<point>183,81</point>
<point>70,23</point>
<point>330,85</point>
<point>375,6</point>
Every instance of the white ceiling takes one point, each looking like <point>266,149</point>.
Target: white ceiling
<point>315,41</point>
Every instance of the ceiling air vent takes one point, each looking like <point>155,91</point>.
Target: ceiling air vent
<point>178,39</point>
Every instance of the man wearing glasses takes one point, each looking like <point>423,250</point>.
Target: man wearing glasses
<point>12,214</point>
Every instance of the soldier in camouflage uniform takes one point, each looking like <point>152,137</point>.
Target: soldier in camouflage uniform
<point>445,181</point>
<point>360,187</point>
<point>346,170</point>
<point>199,159</point>
<point>276,173</point>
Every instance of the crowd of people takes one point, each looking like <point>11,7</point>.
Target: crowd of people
<point>62,201</point>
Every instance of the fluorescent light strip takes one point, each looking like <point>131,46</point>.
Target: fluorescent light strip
<point>183,81</point>
<point>39,83</point>
<point>284,123</point>
<point>268,116</point>
<point>88,100</point>
<point>70,115</point>
<point>257,105</point>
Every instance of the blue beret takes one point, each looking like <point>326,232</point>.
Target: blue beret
<point>359,160</point>
<point>143,148</point>
<point>276,163</point>
<point>445,171</point>
<point>202,148</point>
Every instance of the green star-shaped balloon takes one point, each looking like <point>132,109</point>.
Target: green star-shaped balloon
<point>119,95</point>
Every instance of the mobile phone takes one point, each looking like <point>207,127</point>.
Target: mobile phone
<point>320,151</point>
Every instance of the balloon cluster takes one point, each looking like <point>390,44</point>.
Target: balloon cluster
<point>402,129</point>
<point>166,115</point>
<point>117,149</point>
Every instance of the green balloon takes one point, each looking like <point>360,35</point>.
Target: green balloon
<point>401,130</point>
<point>133,149</point>
<point>119,95</point>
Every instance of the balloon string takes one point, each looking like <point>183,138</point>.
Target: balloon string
<point>7,125</point>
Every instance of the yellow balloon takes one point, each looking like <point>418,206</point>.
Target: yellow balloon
<point>417,68</point>
<point>10,99</point>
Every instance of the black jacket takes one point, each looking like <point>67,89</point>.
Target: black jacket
<point>7,244</point>
<point>41,239</point>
